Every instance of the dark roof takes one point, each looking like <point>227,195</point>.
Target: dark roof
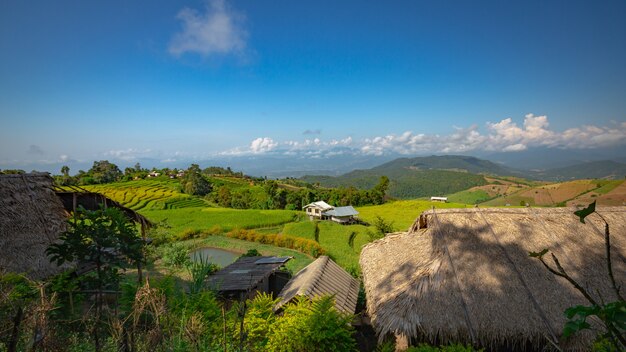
<point>342,211</point>
<point>244,274</point>
<point>323,277</point>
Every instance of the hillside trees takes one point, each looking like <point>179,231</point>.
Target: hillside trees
<point>194,183</point>
<point>104,171</point>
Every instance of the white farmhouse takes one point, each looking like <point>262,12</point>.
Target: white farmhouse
<point>323,211</point>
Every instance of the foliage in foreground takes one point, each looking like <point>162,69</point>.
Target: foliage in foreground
<point>162,315</point>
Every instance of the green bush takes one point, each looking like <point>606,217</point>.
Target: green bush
<point>175,255</point>
<point>311,326</point>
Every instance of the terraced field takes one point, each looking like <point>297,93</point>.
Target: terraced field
<point>566,193</point>
<point>148,195</point>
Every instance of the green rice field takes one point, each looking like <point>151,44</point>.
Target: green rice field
<point>196,218</point>
<point>333,238</point>
<point>402,212</point>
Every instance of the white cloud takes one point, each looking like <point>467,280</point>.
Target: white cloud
<point>505,135</point>
<point>216,31</point>
<point>130,154</point>
<point>262,145</point>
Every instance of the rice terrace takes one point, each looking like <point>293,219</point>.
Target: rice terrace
<point>310,176</point>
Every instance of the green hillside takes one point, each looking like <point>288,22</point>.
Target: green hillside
<point>405,183</point>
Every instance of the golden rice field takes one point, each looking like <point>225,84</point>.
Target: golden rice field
<point>148,195</point>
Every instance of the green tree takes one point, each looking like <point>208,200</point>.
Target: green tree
<point>104,171</point>
<point>194,183</point>
<point>105,240</point>
<point>224,197</point>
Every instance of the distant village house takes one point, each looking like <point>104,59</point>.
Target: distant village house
<point>439,199</point>
<point>321,210</point>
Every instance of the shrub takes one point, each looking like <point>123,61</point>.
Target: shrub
<point>188,234</point>
<point>175,255</point>
<point>311,326</point>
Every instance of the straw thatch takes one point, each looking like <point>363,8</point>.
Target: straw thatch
<point>465,275</point>
<point>323,277</point>
<point>31,218</point>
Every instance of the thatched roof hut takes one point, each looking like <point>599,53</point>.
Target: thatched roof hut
<point>465,275</point>
<point>31,218</point>
<point>322,277</point>
<point>33,214</point>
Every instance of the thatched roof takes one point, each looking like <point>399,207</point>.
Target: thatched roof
<point>323,277</point>
<point>33,213</point>
<point>31,218</point>
<point>465,275</point>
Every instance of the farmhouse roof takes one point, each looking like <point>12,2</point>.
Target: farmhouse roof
<point>31,218</point>
<point>342,211</point>
<point>319,204</point>
<point>245,273</point>
<point>465,275</point>
<point>322,277</point>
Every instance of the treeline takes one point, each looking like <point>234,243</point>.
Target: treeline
<point>275,195</point>
<point>246,193</point>
<point>104,171</point>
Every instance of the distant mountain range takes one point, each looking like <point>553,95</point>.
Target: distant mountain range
<point>436,175</point>
<point>606,169</point>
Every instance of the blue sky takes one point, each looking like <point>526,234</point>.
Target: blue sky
<point>187,80</point>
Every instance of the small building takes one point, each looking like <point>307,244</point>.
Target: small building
<point>250,275</point>
<point>154,174</point>
<point>439,199</point>
<point>342,215</point>
<point>321,210</point>
<point>315,209</point>
<point>322,277</point>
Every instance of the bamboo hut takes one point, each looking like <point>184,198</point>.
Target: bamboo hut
<point>464,275</point>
